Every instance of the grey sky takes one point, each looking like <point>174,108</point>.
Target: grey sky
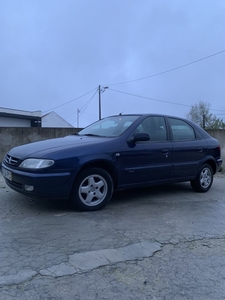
<point>53,51</point>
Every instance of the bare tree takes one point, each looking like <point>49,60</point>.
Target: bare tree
<point>200,114</point>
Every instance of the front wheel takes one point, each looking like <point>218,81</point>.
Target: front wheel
<point>204,179</point>
<point>92,190</point>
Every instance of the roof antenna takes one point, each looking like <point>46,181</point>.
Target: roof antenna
<point>120,114</point>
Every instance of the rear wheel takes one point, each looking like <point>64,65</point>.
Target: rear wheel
<point>92,190</point>
<point>204,179</point>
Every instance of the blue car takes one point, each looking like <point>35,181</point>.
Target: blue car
<point>115,153</point>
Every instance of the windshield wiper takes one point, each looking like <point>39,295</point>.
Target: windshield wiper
<point>90,134</point>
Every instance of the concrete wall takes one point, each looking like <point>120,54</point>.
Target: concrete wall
<point>219,134</point>
<point>14,136</point>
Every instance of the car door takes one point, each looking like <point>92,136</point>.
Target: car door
<point>188,149</point>
<point>148,161</point>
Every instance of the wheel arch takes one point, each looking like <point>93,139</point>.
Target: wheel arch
<point>212,164</point>
<point>101,164</point>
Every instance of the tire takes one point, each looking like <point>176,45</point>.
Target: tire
<point>204,179</point>
<point>92,190</point>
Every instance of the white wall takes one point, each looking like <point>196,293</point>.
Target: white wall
<point>13,122</point>
<point>55,121</point>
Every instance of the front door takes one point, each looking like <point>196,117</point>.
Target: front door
<point>147,161</point>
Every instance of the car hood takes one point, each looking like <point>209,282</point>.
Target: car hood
<point>43,148</point>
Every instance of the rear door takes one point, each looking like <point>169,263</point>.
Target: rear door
<point>188,149</point>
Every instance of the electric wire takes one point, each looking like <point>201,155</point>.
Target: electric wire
<point>139,79</point>
<point>170,70</point>
<point>84,107</point>
<point>148,98</point>
<point>70,101</point>
<point>158,100</point>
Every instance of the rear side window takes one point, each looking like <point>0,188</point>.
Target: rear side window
<point>181,130</point>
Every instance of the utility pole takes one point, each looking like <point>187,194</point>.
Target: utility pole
<point>203,121</point>
<point>100,90</point>
<point>78,111</point>
<point>99,102</point>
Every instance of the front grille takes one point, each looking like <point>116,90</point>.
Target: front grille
<point>10,160</point>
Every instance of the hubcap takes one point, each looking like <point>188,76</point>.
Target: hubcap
<point>93,190</point>
<point>205,178</point>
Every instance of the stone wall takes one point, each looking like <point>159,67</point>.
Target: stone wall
<point>14,136</point>
<point>219,134</point>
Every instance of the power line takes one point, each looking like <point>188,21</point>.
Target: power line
<point>142,78</point>
<point>221,114</point>
<point>88,102</point>
<point>83,108</point>
<point>149,98</point>
<point>70,101</point>
<point>158,100</point>
<point>170,70</point>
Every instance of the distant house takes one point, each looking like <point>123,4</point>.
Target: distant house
<point>52,119</point>
<point>19,118</point>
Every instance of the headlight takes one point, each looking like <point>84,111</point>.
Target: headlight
<point>34,163</point>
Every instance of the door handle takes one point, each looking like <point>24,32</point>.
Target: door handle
<point>165,152</point>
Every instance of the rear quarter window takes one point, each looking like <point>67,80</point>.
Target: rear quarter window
<point>181,130</point>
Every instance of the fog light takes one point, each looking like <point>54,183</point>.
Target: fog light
<point>29,188</point>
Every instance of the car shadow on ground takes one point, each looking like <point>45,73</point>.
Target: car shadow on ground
<point>151,193</point>
<point>125,197</point>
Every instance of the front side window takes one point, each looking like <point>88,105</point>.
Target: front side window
<point>181,130</point>
<point>155,126</point>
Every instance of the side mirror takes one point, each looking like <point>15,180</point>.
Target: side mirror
<point>139,137</point>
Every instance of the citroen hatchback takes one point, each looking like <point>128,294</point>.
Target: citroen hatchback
<point>115,153</point>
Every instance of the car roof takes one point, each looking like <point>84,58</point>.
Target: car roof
<point>147,114</point>
<point>160,115</point>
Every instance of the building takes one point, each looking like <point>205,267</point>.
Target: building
<point>20,118</point>
<point>52,119</point>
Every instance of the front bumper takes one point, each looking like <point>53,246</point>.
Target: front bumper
<point>50,185</point>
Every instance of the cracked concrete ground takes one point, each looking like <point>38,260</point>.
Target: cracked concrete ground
<point>166,242</point>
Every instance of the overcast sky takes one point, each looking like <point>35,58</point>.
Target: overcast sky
<point>54,51</point>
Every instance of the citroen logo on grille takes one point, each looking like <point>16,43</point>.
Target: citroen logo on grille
<point>11,160</point>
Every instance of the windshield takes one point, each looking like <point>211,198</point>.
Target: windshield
<point>109,127</point>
